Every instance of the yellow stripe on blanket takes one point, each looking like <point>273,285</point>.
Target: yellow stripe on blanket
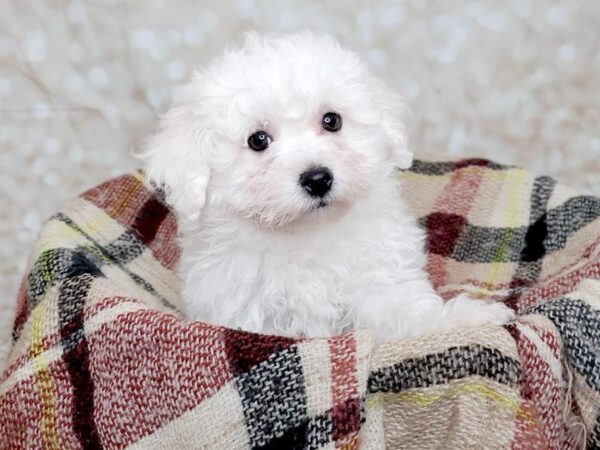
<point>426,399</point>
<point>45,390</point>
<point>514,181</point>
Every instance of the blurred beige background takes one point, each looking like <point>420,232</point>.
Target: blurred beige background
<point>81,83</point>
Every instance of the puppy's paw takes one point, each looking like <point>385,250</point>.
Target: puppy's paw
<point>463,311</point>
<point>496,312</point>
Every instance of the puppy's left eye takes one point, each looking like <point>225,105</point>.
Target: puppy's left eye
<point>332,121</point>
<point>259,141</point>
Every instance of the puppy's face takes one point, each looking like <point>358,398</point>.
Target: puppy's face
<point>281,132</point>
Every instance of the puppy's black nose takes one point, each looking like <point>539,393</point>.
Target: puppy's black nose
<point>317,181</point>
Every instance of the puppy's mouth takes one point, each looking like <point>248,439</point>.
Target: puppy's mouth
<point>327,208</point>
<point>322,204</point>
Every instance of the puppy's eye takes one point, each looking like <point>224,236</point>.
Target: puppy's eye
<point>259,141</point>
<point>332,122</point>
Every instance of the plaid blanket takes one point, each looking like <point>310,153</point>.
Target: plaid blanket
<point>103,358</point>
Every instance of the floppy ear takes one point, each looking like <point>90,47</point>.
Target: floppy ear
<point>177,159</point>
<point>394,114</point>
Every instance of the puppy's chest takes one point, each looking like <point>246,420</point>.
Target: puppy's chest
<point>289,275</point>
<point>320,271</point>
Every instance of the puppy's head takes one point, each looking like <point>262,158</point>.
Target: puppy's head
<point>281,131</point>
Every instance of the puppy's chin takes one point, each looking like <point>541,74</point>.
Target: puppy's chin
<point>317,214</point>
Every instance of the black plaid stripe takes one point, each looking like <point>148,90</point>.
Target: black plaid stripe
<point>570,217</point>
<point>125,248</point>
<point>55,265</point>
<point>72,297</point>
<point>486,245</point>
<point>439,368</point>
<point>274,401</point>
<point>311,434</point>
<point>319,431</point>
<point>534,249</point>
<point>579,327</point>
<point>293,439</point>
<point>49,269</point>
<point>117,246</point>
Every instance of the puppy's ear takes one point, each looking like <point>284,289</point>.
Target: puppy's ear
<point>177,158</point>
<point>394,114</point>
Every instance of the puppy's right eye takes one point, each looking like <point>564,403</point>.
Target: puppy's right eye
<point>259,141</point>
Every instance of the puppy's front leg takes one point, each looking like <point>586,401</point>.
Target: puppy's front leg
<point>414,309</point>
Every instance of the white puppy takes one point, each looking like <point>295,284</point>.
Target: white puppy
<point>280,159</point>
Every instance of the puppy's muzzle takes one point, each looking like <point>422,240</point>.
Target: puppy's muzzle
<point>317,181</point>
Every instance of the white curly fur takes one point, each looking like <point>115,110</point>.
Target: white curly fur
<point>257,252</point>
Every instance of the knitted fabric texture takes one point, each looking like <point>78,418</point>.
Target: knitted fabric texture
<point>103,358</point>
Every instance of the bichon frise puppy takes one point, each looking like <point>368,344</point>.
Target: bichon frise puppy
<point>280,160</point>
